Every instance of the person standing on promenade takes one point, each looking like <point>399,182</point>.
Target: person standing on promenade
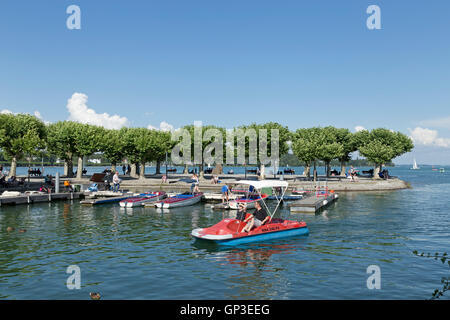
<point>124,169</point>
<point>116,182</point>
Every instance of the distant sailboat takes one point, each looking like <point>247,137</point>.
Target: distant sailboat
<point>415,167</point>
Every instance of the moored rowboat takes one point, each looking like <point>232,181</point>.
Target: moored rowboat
<point>180,200</point>
<point>142,198</point>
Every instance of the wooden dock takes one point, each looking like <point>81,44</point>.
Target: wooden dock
<point>103,200</point>
<point>36,198</point>
<point>313,204</point>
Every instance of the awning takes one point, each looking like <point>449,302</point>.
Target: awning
<point>259,184</point>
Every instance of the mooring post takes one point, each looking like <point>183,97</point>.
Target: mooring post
<point>57,183</point>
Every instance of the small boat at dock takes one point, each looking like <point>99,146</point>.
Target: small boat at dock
<point>142,199</point>
<point>180,200</point>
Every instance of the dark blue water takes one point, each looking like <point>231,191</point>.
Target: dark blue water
<point>149,254</point>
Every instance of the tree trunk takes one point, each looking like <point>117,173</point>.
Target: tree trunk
<point>307,171</point>
<point>262,172</point>
<point>377,171</point>
<point>327,168</point>
<point>315,172</point>
<point>66,168</point>
<point>80,168</point>
<point>12,171</point>
<point>158,167</point>
<point>186,169</point>
<point>133,170</point>
<point>70,168</point>
<point>142,171</point>
<point>201,173</point>
<point>343,169</point>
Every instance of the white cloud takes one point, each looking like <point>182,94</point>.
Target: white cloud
<point>80,112</point>
<point>38,115</point>
<point>428,137</point>
<point>359,128</point>
<point>163,126</point>
<point>437,123</point>
<point>6,111</point>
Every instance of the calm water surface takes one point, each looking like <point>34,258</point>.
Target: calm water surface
<point>149,254</point>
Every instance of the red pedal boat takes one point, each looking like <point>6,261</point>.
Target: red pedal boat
<point>228,231</point>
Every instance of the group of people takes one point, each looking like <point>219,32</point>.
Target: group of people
<point>115,181</point>
<point>126,169</point>
<point>353,174</point>
<point>34,172</point>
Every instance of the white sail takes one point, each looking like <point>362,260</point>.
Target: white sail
<point>415,167</point>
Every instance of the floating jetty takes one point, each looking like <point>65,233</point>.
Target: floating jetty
<point>313,204</point>
<point>36,197</point>
<point>103,200</point>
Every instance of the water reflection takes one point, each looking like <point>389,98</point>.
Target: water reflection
<point>257,272</point>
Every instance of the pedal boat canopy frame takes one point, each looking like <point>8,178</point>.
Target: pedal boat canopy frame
<point>260,184</point>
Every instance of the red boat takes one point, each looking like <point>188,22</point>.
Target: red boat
<point>228,231</point>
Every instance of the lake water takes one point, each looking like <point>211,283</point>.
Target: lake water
<point>148,254</point>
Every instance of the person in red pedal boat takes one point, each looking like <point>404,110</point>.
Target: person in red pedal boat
<point>257,219</point>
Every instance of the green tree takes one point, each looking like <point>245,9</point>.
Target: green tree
<point>381,146</point>
<point>328,146</point>
<point>264,139</point>
<point>21,135</point>
<point>142,145</point>
<point>112,146</point>
<point>164,144</point>
<point>349,145</point>
<point>204,144</point>
<point>87,141</point>
<point>61,142</point>
<point>304,146</point>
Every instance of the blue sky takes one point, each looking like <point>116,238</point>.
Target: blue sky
<point>300,63</point>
